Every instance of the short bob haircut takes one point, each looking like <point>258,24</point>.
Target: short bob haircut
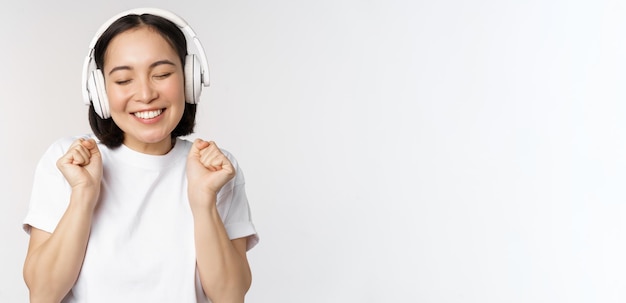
<point>105,129</point>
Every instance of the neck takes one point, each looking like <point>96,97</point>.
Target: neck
<point>158,148</point>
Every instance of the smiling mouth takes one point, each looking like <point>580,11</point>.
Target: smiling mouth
<point>148,114</point>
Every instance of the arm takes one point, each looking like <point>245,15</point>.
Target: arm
<point>53,261</point>
<point>222,263</point>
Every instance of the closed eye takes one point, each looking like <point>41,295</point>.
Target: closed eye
<point>162,76</point>
<point>122,82</point>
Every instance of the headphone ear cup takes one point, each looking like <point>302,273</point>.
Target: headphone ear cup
<point>98,95</point>
<point>193,79</point>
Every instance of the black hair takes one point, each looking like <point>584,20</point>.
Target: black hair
<point>105,129</point>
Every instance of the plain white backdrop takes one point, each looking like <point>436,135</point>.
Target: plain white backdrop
<point>394,151</point>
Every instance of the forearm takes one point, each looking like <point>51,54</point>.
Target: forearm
<point>51,269</point>
<point>224,272</point>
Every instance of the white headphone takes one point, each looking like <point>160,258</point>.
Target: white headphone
<point>196,71</point>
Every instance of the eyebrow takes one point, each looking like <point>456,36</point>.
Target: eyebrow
<point>153,65</point>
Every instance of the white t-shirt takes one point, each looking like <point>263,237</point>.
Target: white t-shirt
<point>141,247</point>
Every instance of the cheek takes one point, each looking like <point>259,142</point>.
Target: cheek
<point>176,89</point>
<point>116,96</point>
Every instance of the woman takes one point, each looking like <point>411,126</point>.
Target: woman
<point>139,215</point>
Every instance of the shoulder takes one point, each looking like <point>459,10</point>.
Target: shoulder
<point>230,156</point>
<point>62,144</point>
<point>58,147</point>
<point>239,179</point>
<point>187,143</point>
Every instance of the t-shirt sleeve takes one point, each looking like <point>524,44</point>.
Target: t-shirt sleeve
<point>232,203</point>
<point>50,194</point>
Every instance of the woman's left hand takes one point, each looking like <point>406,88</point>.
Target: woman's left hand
<point>208,169</point>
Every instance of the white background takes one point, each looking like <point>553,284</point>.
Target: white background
<point>395,151</point>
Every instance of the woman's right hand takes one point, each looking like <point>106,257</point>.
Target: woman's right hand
<point>82,167</point>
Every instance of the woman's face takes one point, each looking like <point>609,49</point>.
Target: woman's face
<point>145,85</point>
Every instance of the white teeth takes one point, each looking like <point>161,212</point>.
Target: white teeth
<point>148,114</point>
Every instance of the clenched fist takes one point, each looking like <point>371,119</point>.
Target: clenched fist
<point>208,169</point>
<point>81,166</point>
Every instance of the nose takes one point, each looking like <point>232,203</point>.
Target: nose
<point>146,93</point>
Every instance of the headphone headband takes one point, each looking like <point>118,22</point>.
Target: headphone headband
<point>140,11</point>
<point>90,65</point>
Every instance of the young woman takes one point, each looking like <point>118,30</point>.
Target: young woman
<point>139,215</point>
